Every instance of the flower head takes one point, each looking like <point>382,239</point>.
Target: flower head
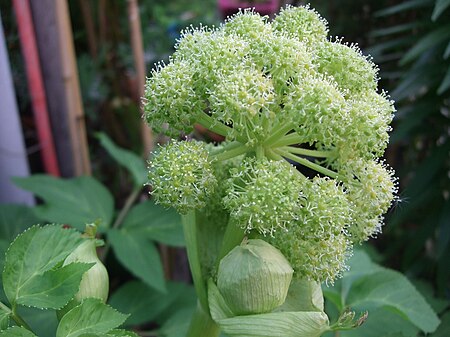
<point>305,126</point>
<point>181,175</point>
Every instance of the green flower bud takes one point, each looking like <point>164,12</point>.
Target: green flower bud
<point>95,282</point>
<point>317,244</point>
<point>254,278</point>
<point>346,64</point>
<point>181,175</point>
<point>263,195</point>
<point>303,23</point>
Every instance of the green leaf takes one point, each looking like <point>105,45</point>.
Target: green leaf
<point>34,252</point>
<point>394,29</point>
<point>16,331</point>
<point>121,333</point>
<point>156,223</point>
<point>413,82</point>
<point>74,201</point>
<point>427,42</point>
<point>42,322</point>
<point>447,51</point>
<point>132,162</point>
<point>54,288</point>
<point>389,288</point>
<point>404,6</point>
<point>286,324</point>
<point>382,322</point>
<point>4,318</point>
<point>139,256</point>
<point>439,8</point>
<point>444,328</point>
<point>14,219</point>
<point>178,323</point>
<point>444,229</point>
<point>142,302</point>
<point>90,317</point>
<point>445,84</point>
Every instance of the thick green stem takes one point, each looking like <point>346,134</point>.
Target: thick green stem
<point>190,234</point>
<point>272,155</point>
<point>290,139</point>
<point>202,325</point>
<point>278,132</point>
<point>307,163</point>
<point>216,126</point>
<point>230,151</point>
<point>259,152</point>
<point>306,152</point>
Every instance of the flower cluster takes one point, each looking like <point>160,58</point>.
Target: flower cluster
<point>305,127</point>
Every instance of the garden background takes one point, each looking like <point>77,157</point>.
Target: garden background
<point>82,152</point>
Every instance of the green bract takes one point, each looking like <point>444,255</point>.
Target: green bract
<point>305,126</point>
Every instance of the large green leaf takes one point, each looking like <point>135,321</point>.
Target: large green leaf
<point>394,29</point>
<point>34,252</point>
<point>139,256</point>
<point>444,328</point>
<point>90,317</point>
<point>404,6</point>
<point>427,42</point>
<point>143,303</point>
<point>42,322</point>
<point>439,8</point>
<point>54,288</point>
<point>445,84</point>
<point>14,219</point>
<point>156,223</point>
<point>4,318</point>
<point>121,333</point>
<point>382,322</point>
<point>177,324</point>
<point>390,289</point>
<point>411,118</point>
<point>132,162</point>
<point>74,201</point>
<point>17,332</point>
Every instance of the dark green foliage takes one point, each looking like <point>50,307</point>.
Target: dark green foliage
<point>418,65</point>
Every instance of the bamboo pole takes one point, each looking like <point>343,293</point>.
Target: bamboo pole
<point>36,85</point>
<point>72,91</point>
<point>139,63</point>
<point>86,11</point>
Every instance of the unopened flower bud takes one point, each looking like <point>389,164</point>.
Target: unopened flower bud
<point>254,278</point>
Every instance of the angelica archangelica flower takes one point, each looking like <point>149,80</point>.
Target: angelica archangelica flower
<point>182,176</point>
<point>305,125</point>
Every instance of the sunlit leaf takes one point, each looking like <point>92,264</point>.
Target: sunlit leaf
<point>139,256</point>
<point>34,252</point>
<point>90,317</point>
<point>16,331</point>
<point>74,201</point>
<point>439,8</point>
<point>156,223</point>
<point>132,162</point>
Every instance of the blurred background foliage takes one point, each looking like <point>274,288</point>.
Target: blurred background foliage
<point>409,40</point>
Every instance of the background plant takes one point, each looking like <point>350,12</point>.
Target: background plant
<point>132,233</point>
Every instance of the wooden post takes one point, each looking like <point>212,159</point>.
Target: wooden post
<point>139,63</point>
<point>44,17</point>
<point>72,90</point>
